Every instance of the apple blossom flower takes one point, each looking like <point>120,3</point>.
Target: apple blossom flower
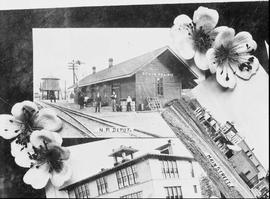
<point>192,38</point>
<point>231,57</point>
<point>26,117</point>
<point>48,160</point>
<point>21,154</point>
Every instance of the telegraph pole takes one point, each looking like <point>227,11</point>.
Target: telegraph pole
<point>74,66</point>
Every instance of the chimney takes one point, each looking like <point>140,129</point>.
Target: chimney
<point>110,62</point>
<point>94,69</point>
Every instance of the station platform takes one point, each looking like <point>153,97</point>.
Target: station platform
<point>149,121</point>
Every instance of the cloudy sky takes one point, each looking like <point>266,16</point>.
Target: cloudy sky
<point>54,48</point>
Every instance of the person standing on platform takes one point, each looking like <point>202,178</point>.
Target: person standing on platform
<point>129,100</point>
<point>98,102</point>
<point>52,96</point>
<point>81,99</point>
<point>113,97</point>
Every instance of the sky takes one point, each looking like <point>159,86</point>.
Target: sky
<point>54,48</point>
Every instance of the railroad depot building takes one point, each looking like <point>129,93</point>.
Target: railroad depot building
<point>159,74</point>
<point>151,175</point>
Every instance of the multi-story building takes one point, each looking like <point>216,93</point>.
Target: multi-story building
<point>151,175</point>
<point>236,150</point>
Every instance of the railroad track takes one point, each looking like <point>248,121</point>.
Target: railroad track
<point>88,124</point>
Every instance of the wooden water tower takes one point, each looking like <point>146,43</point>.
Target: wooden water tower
<point>49,85</point>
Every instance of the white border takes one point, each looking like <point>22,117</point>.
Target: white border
<point>33,4</point>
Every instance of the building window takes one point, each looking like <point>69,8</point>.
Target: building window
<point>192,169</point>
<point>82,191</point>
<point>195,188</point>
<point>174,192</point>
<point>127,176</point>
<point>133,195</point>
<point>169,169</point>
<point>160,86</point>
<point>102,186</point>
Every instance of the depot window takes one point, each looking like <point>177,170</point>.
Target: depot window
<point>160,86</point>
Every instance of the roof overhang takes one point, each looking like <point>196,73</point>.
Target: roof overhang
<point>122,165</point>
<point>108,79</point>
<point>195,76</point>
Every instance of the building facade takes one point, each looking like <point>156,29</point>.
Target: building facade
<point>161,175</point>
<point>159,74</point>
<point>235,150</point>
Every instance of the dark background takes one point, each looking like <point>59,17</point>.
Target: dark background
<point>16,52</point>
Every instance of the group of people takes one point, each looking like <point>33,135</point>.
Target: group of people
<point>81,99</point>
<point>52,97</point>
<point>98,101</point>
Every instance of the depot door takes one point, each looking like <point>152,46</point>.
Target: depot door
<point>117,90</point>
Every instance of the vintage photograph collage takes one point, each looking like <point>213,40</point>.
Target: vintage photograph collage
<point>144,100</point>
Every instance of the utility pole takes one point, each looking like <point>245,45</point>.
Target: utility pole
<point>74,66</point>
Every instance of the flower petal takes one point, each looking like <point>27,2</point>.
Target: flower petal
<point>212,62</point>
<point>20,153</point>
<point>182,20</point>
<point>59,178</point>
<point>244,43</point>
<point>15,148</point>
<point>225,76</point>
<point>183,43</point>
<point>23,159</point>
<point>17,109</point>
<point>37,138</point>
<point>247,74</point>
<point>205,18</point>
<point>37,177</point>
<point>47,119</point>
<point>224,38</point>
<point>216,31</point>
<point>201,61</point>
<point>9,126</point>
<point>62,152</point>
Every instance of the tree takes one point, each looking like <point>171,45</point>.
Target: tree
<point>208,189</point>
